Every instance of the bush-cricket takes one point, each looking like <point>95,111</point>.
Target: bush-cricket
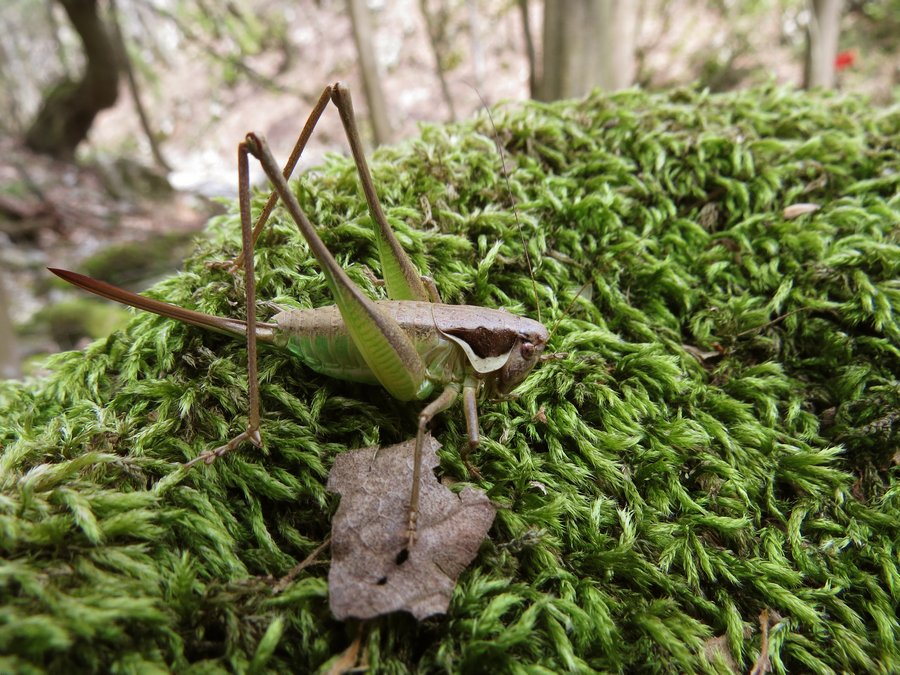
<point>412,344</point>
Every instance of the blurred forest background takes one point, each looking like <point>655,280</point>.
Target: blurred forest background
<point>119,119</point>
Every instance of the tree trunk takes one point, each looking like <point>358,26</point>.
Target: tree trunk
<point>615,58</point>
<point>551,84</point>
<point>587,44</point>
<point>362,35</point>
<point>822,36</point>
<point>69,109</point>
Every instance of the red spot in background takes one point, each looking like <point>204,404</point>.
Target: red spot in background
<point>845,59</point>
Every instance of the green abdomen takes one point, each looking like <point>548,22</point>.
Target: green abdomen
<point>319,338</point>
<point>335,356</point>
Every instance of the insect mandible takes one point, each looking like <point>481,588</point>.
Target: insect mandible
<point>413,345</point>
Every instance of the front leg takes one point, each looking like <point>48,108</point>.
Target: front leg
<point>441,403</point>
<point>470,408</point>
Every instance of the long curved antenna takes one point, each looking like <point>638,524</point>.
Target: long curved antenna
<point>537,303</point>
<point>571,304</point>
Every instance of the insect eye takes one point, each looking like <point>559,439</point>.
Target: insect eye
<point>526,350</point>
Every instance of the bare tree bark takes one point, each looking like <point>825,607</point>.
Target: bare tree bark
<point>822,35</point>
<point>133,88</point>
<point>435,39</point>
<point>68,111</point>
<point>615,60</point>
<point>362,35</point>
<point>550,86</point>
<point>587,44</point>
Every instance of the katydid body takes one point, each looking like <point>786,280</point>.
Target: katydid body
<point>413,345</point>
<point>451,340</point>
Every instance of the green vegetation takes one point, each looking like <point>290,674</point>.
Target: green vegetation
<point>654,502</point>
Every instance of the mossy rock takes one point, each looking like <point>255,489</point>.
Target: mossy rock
<point>127,262</point>
<point>69,321</point>
<point>127,179</point>
<point>654,503</point>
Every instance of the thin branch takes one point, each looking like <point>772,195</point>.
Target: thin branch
<point>529,47</point>
<point>133,87</point>
<point>285,581</point>
<point>55,30</point>
<point>228,59</point>
<point>777,319</point>
<point>361,20</point>
<point>434,39</point>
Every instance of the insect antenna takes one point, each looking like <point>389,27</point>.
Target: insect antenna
<point>512,198</point>
<point>585,286</point>
<point>581,293</point>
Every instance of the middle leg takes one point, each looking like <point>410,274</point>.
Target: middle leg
<point>289,166</point>
<point>252,433</point>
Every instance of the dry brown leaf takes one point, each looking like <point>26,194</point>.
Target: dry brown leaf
<point>370,574</point>
<point>717,648</point>
<point>348,659</point>
<point>767,619</point>
<point>797,210</point>
<point>699,354</point>
<point>538,485</point>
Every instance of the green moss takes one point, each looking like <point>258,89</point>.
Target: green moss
<point>652,502</point>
